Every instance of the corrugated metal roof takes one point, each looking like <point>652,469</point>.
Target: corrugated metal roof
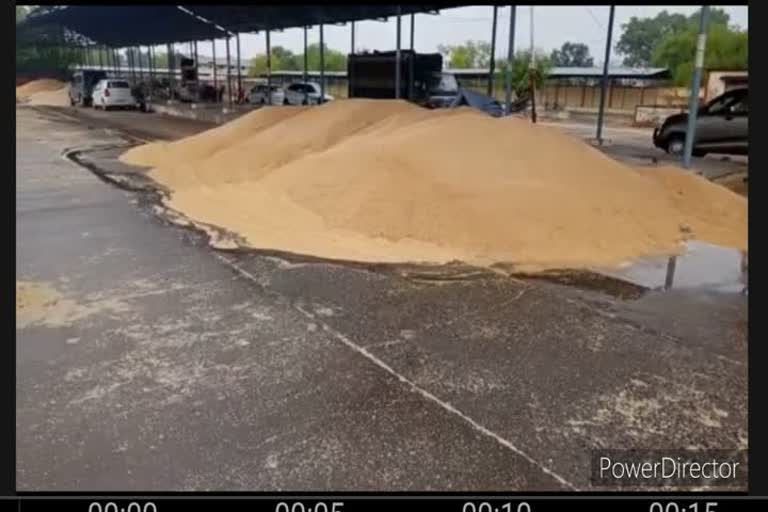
<point>623,72</point>
<point>580,72</point>
<point>133,25</point>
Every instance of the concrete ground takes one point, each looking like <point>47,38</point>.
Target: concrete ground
<point>167,365</point>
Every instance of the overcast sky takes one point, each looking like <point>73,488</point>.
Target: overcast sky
<point>553,26</point>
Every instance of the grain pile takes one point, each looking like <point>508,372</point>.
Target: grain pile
<point>386,181</point>
<point>43,92</point>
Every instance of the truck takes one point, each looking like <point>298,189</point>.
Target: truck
<point>81,86</point>
<point>422,79</point>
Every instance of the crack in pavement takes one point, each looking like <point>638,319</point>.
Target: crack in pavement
<point>401,378</point>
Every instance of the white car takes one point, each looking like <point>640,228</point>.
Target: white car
<point>304,93</point>
<point>258,95</point>
<point>110,93</point>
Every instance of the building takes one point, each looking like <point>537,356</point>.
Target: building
<point>717,82</point>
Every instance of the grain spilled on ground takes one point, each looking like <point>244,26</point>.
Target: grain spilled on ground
<point>43,92</point>
<point>387,181</point>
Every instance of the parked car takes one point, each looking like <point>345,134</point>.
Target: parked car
<point>113,94</point>
<point>722,126</point>
<point>258,95</point>
<point>304,93</point>
<point>82,84</point>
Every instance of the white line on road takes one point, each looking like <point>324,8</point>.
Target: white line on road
<point>413,386</point>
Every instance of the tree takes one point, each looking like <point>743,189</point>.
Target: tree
<point>471,54</point>
<point>22,11</point>
<point>521,76</point>
<point>572,55</point>
<point>641,36</point>
<point>334,59</point>
<point>284,59</point>
<point>726,49</point>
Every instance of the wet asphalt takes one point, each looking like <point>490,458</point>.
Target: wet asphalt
<point>181,367</point>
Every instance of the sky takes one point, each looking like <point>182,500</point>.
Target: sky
<point>553,25</point>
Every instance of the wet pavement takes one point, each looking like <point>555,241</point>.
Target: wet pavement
<point>179,367</point>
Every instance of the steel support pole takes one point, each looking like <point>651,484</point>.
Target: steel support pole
<point>322,66</point>
<point>669,278</point>
<point>151,64</point>
<point>134,71</point>
<point>532,73</point>
<point>693,102</point>
<point>141,64</point>
<point>306,61</point>
<point>269,69</point>
<point>349,67</point>
<point>397,56</point>
<point>131,69</point>
<point>239,73</point>
<point>101,57</point>
<point>171,75</point>
<point>197,67</point>
<point>510,56</point>
<point>412,59</point>
<point>229,75</point>
<point>492,63</point>
<point>413,29</point>
<point>604,81</point>
<point>116,61</point>
<point>215,76</point>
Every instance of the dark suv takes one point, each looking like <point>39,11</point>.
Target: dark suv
<point>722,126</point>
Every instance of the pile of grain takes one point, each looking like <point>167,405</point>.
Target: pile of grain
<point>386,181</point>
<point>43,92</point>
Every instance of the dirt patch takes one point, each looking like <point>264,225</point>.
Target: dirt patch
<point>39,303</point>
<point>386,181</point>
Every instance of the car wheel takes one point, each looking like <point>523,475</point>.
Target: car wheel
<point>285,101</point>
<point>676,145</point>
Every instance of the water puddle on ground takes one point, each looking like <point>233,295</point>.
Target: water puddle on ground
<point>703,265</point>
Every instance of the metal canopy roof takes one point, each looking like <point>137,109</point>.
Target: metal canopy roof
<point>127,25</point>
<point>132,25</point>
<point>255,18</point>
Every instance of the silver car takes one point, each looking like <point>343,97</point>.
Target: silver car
<point>258,95</point>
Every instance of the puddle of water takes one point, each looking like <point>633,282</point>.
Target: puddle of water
<point>703,265</point>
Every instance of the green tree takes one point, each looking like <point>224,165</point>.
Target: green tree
<point>22,11</point>
<point>572,55</point>
<point>286,60</point>
<point>282,59</point>
<point>521,71</point>
<point>641,36</point>
<point>334,59</point>
<point>471,54</point>
<point>726,49</point>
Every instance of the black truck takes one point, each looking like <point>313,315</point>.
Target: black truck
<point>422,79</point>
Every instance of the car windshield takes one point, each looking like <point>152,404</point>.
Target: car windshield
<point>444,83</point>
<point>119,85</point>
<point>721,104</point>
